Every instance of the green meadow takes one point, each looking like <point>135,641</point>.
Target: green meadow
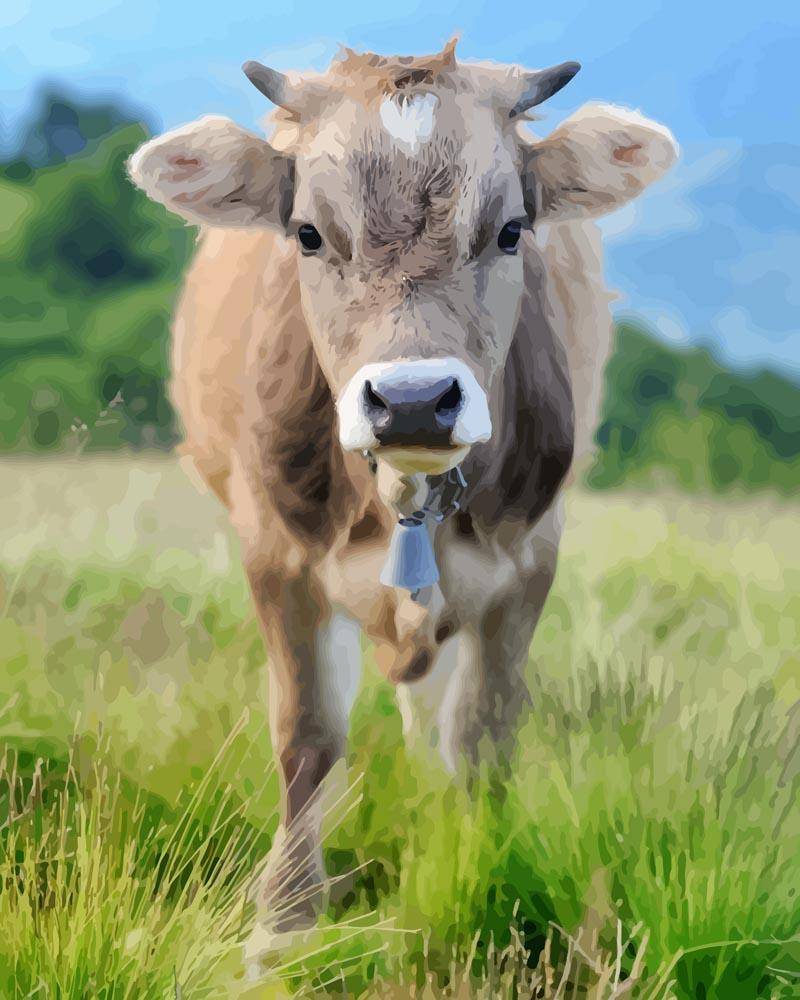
<point>646,842</point>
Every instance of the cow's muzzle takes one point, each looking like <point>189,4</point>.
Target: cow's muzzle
<point>414,410</point>
<point>413,413</point>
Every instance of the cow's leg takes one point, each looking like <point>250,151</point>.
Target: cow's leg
<point>314,655</point>
<point>474,695</point>
<point>475,691</point>
<point>487,706</point>
<point>424,704</point>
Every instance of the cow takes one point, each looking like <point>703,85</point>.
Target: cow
<point>395,321</point>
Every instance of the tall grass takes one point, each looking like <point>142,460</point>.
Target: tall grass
<point>103,895</point>
<point>617,823</point>
<point>644,842</point>
<point>105,892</point>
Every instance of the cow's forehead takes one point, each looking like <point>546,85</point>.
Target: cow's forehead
<point>420,169</point>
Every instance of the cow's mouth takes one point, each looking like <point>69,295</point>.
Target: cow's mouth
<point>415,459</point>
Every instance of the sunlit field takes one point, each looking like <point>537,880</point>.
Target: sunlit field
<point>646,843</point>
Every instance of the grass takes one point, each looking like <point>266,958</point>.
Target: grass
<point>646,842</point>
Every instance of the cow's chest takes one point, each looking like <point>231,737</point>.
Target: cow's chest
<point>477,571</point>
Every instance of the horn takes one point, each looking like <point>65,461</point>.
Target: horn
<point>541,84</point>
<point>273,85</point>
<point>449,50</point>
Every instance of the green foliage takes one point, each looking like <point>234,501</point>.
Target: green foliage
<point>100,885</point>
<point>678,416</point>
<point>88,272</point>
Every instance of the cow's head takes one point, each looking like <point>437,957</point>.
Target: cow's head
<point>407,186</point>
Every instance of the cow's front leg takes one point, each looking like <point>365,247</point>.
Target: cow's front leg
<point>476,692</point>
<point>489,704</point>
<point>314,655</point>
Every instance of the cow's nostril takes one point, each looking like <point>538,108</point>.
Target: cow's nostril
<point>450,400</point>
<point>373,399</point>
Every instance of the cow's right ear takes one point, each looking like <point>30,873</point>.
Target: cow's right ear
<point>214,173</point>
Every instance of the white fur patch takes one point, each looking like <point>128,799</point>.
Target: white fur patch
<point>472,425</point>
<point>338,645</point>
<point>410,122</point>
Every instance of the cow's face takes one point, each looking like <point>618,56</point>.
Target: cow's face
<point>408,190</point>
<point>408,237</point>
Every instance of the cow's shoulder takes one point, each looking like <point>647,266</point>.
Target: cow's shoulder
<point>300,490</point>
<point>211,331</point>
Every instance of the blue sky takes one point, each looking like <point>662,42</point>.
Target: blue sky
<point>712,253</point>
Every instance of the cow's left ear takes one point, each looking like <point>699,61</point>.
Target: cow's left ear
<point>595,161</point>
<point>212,172</point>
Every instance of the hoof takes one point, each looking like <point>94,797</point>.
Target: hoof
<point>290,892</point>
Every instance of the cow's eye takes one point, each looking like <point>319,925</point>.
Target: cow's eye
<point>310,240</point>
<point>509,237</point>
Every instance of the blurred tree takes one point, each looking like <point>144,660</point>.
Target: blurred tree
<point>81,235</point>
<point>61,126</point>
<point>680,413</point>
